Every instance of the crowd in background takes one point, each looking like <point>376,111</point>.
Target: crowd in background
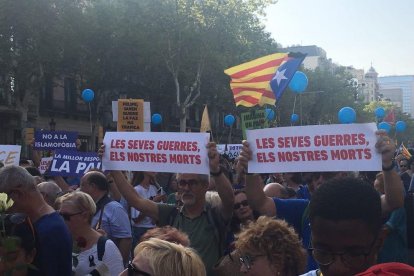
<point>229,223</point>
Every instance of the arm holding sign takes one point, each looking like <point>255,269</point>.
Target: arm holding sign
<point>393,197</point>
<point>223,185</point>
<point>254,183</point>
<point>36,155</point>
<point>143,205</point>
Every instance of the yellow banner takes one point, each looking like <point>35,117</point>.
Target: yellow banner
<point>29,135</point>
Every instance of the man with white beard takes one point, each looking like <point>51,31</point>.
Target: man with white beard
<point>204,224</point>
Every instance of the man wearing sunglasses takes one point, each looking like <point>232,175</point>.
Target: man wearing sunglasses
<point>53,240</point>
<point>205,225</point>
<point>296,211</point>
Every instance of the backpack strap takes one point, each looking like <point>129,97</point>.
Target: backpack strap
<point>100,206</point>
<point>101,247</point>
<point>219,228</point>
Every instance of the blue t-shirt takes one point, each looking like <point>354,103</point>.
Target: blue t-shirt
<point>115,221</point>
<point>303,192</point>
<point>54,246</point>
<point>295,212</point>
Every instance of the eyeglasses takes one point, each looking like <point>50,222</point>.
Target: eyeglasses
<point>190,183</point>
<point>248,260</point>
<point>402,165</point>
<point>240,204</point>
<point>135,271</point>
<point>68,216</point>
<point>353,259</point>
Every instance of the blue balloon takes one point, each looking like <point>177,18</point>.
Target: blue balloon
<point>347,115</point>
<point>156,119</point>
<point>380,112</point>
<point>385,126</point>
<point>88,95</point>
<point>294,118</point>
<point>400,126</point>
<point>299,82</point>
<point>229,120</point>
<point>270,114</point>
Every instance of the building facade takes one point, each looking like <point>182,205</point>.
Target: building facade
<point>401,85</point>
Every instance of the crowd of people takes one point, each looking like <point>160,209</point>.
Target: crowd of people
<point>230,222</point>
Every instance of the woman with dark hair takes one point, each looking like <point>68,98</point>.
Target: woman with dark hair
<point>147,187</point>
<point>242,213</point>
<point>229,265</point>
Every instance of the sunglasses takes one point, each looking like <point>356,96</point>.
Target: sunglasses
<point>244,203</point>
<point>67,217</point>
<point>135,271</point>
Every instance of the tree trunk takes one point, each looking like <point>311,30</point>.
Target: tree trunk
<point>183,118</point>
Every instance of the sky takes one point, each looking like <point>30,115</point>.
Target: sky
<point>352,32</point>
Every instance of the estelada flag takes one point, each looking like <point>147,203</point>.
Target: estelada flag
<point>250,81</point>
<point>404,151</point>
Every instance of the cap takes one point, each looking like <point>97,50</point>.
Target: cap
<point>388,269</point>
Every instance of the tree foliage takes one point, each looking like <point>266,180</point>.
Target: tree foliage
<point>169,52</point>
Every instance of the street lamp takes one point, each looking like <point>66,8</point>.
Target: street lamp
<point>52,125</point>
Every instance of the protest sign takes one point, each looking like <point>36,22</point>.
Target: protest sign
<point>70,163</point>
<point>347,147</point>
<point>147,114</point>
<point>130,115</point>
<point>253,120</point>
<point>52,140</point>
<point>232,150</point>
<point>158,152</point>
<point>44,164</point>
<point>10,154</point>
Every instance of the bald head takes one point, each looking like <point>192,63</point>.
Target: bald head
<point>275,190</point>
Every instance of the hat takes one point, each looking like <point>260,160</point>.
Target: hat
<point>388,269</point>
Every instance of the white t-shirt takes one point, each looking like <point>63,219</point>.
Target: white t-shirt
<point>110,265</point>
<point>147,222</point>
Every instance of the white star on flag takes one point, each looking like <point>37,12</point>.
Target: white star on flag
<point>280,75</point>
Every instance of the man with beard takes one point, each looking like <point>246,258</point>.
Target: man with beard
<point>205,225</point>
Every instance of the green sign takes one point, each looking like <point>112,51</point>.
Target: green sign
<point>254,119</point>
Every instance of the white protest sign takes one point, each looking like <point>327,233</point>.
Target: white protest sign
<point>347,147</point>
<point>10,154</point>
<point>44,164</point>
<point>233,150</point>
<point>156,151</point>
<point>147,114</point>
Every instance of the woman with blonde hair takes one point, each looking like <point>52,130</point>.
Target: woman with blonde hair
<point>156,257</point>
<point>270,247</point>
<point>96,253</point>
